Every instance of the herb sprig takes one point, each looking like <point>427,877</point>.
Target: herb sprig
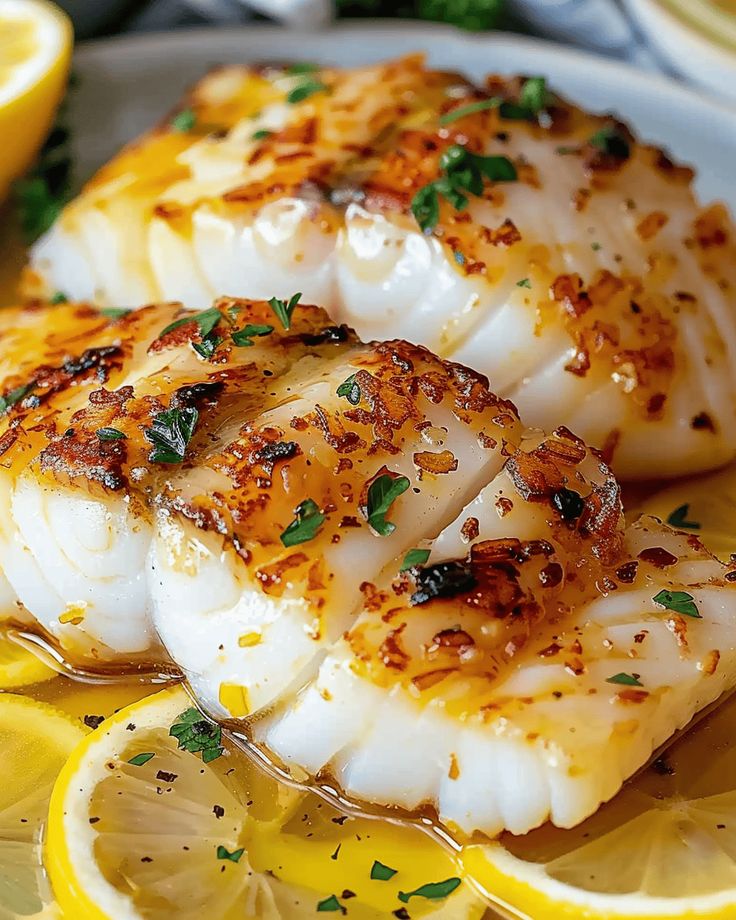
<point>197,735</point>
<point>170,433</point>
<point>679,518</point>
<point>307,521</point>
<point>678,602</point>
<point>284,309</point>
<point>382,493</point>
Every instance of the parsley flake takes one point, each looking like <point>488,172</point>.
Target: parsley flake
<point>301,67</point>
<point>382,493</point>
<point>413,558</point>
<point>58,297</point>
<point>305,90</point>
<point>525,283</point>
<point>284,309</point>
<point>678,518</point>
<point>110,434</point>
<point>170,434</point>
<point>627,680</point>
<point>434,891</point>
<point>206,321</point>
<point>196,735</point>
<point>261,135</point>
<point>115,312</point>
<point>307,521</point>
<point>481,106</point>
<point>184,121</point>
<point>140,759</point>
<point>330,905</point>
<point>15,396</point>
<point>382,873</point>
<point>244,337</point>
<point>612,142</point>
<point>224,853</point>
<point>679,602</point>
<point>350,390</point>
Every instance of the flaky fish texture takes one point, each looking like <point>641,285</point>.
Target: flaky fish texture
<point>500,226</point>
<point>343,544</point>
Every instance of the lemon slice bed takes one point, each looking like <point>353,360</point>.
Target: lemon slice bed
<point>664,848</point>
<point>35,48</point>
<point>141,827</point>
<point>35,740</point>
<point>19,667</point>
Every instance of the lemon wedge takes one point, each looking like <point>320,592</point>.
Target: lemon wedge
<point>35,50</point>
<point>35,740</point>
<point>705,507</point>
<point>19,667</point>
<point>156,815</point>
<point>664,848</point>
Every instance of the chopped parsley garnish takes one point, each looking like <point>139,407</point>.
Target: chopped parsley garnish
<point>110,434</point>
<point>679,602</point>
<point>284,309</point>
<point>224,853</point>
<point>206,322</point>
<point>533,99</point>
<point>382,493</point>
<point>463,172</point>
<point>525,283</point>
<point>307,521</point>
<point>434,891</point>
<point>350,390</point>
<point>140,759</point>
<point>261,135</point>
<point>42,194</point>
<point>626,680</point>
<point>244,337</point>
<point>330,905</point>
<point>184,121</point>
<point>197,735</point>
<point>382,873</point>
<point>305,90</point>
<point>596,247</point>
<point>678,518</point>
<point>302,67</point>
<point>481,106</point>
<point>15,396</point>
<point>612,142</point>
<point>58,297</point>
<point>115,312</point>
<point>414,557</point>
<point>170,433</point>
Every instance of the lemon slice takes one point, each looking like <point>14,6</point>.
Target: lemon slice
<point>664,848</point>
<point>35,49</point>
<point>156,815</point>
<point>19,667</point>
<point>705,507</point>
<point>35,740</point>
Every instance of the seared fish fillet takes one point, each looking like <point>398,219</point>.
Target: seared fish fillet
<point>499,226</point>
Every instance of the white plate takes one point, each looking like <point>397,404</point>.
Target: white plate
<point>127,84</point>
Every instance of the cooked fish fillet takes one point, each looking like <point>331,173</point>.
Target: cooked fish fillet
<point>528,670</point>
<point>568,262</point>
<point>179,475</point>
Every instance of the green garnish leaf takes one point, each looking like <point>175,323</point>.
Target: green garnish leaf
<point>244,337</point>
<point>627,680</point>
<point>329,905</point>
<point>434,891</point>
<point>208,346</point>
<point>302,67</point>
<point>612,142</point>
<point>115,312</point>
<point>414,557</point>
<point>261,135</point>
<point>534,96</point>
<point>110,434</point>
<point>206,320</point>
<point>170,433</point>
<point>678,518</point>
<point>196,734</point>
<point>38,205</point>
<point>481,106</point>
<point>350,390</point>
<point>679,602</point>
<point>382,493</point>
<point>15,396</point>
<point>184,121</point>
<point>224,853</point>
<point>382,873</point>
<point>58,297</point>
<point>525,283</point>
<point>283,309</point>
<point>462,172</point>
<point>305,90</point>
<point>140,759</point>
<point>307,521</point>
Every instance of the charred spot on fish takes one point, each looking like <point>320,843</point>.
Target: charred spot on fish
<point>275,451</point>
<point>703,422</point>
<point>445,579</point>
<point>330,335</point>
<point>196,395</point>
<point>92,358</point>
<point>568,503</point>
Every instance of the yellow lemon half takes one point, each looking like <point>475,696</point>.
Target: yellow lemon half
<point>35,50</point>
